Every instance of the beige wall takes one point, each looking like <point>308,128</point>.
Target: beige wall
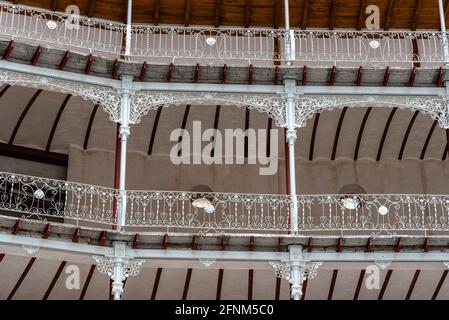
<point>313,177</point>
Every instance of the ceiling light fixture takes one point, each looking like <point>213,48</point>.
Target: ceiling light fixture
<point>201,199</point>
<point>211,41</point>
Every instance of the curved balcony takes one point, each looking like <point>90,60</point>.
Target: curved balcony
<point>211,213</point>
<point>207,45</point>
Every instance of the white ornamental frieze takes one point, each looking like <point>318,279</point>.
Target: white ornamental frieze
<point>434,107</point>
<point>145,101</point>
<point>108,98</point>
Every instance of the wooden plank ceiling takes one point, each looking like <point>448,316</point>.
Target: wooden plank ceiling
<point>328,14</point>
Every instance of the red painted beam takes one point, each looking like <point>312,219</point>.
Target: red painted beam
<point>22,277</point>
<point>439,82</point>
<point>36,55</point>
<point>197,73</point>
<point>225,73</point>
<point>386,77</point>
<point>369,245</point>
<point>412,285</point>
<point>333,75</point>
<point>359,284</point>
<point>16,227</point>
<point>359,76</point>
<point>411,81</point>
<point>219,283</point>
<point>186,284</point>
<point>115,69</point>
<point>398,245</point>
<point>385,284</point>
<point>136,241</point>
<point>440,284</point>
<point>156,283</point>
<point>8,50</point>
<point>340,245</point>
<point>426,245</point>
<point>276,75</point>
<point>280,244</point>
<point>304,76</point>
<point>103,238</point>
<point>46,231</point>
<point>223,242</point>
<point>250,74</point>
<point>277,292</point>
<point>64,60</point>
<point>251,243</point>
<point>250,284</point>
<point>304,289</point>
<point>165,241</point>
<point>332,285</point>
<point>88,64</point>
<point>310,245</point>
<point>76,234</point>
<point>170,71</point>
<point>194,244</point>
<point>87,282</point>
<point>54,280</point>
<point>143,71</point>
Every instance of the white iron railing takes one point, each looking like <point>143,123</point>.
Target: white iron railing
<point>212,212</point>
<point>219,45</point>
<point>61,30</point>
<point>63,201</point>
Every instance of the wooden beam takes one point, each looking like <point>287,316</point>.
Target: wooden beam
<point>388,14</point>
<point>170,71</point>
<point>305,14</point>
<point>8,50</point>
<point>439,81</point>
<point>55,123</point>
<point>386,77</point>
<point>156,13</point>
<point>88,64</point>
<point>219,284</point>
<point>46,231</point>
<point>22,277</point>
<point>87,282</point>
<point>384,134</point>
<point>247,20</point>
<point>115,69</point>
<point>103,238</point>
<point>197,73</point>
<point>143,71</point>
<point>30,154</point>
<point>225,73</point>
<point>276,11</point>
<point>250,284</point>
<point>333,14</point>
<point>304,76</point>
<point>136,241</point>
<point>187,9</point>
<point>384,285</point>
<point>332,286</point>
<point>440,284</point>
<point>412,285</point>
<point>217,18</point>
<point>359,284</point>
<point>36,55</point>
<point>333,74</point>
<point>359,76</point>
<point>64,60</point>
<point>416,14</point>
<point>91,10</point>
<point>16,227</point>
<point>156,283</point>
<point>53,5</point>
<point>76,234</point>
<point>186,284</point>
<point>362,13</point>
<point>89,126</point>
<point>54,280</point>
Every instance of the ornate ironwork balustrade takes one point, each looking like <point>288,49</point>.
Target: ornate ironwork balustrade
<point>212,212</point>
<point>218,45</point>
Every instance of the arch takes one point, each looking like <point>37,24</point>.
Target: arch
<point>145,101</point>
<point>434,107</point>
<point>108,98</point>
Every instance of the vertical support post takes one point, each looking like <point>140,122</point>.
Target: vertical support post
<point>128,30</point>
<point>444,41</point>
<point>289,51</point>
<point>296,272</point>
<point>124,133</point>
<point>290,85</point>
<point>118,278</point>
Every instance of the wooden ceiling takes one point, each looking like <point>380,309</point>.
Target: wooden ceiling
<point>328,14</point>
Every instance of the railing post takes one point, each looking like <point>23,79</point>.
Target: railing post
<point>290,86</point>
<point>444,42</point>
<point>124,133</point>
<point>128,30</point>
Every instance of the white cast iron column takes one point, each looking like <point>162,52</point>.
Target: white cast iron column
<point>290,86</point>
<point>128,30</point>
<point>296,270</point>
<point>124,133</point>
<point>443,33</point>
<point>289,51</point>
<point>118,266</point>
